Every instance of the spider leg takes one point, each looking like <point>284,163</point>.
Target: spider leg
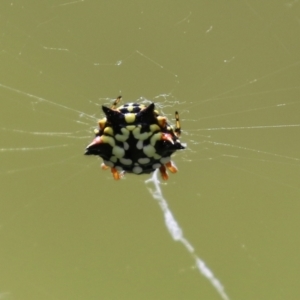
<point>163,173</point>
<point>177,124</point>
<point>171,167</point>
<point>116,102</point>
<point>104,166</point>
<point>115,173</point>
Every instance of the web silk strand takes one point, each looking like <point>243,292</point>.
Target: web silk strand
<point>177,234</point>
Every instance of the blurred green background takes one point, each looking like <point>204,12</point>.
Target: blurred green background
<point>231,69</point>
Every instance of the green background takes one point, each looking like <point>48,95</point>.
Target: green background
<point>231,69</point>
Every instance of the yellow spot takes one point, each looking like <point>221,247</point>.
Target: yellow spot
<point>124,136</point>
<point>144,160</point>
<point>113,159</point>
<point>130,127</point>
<point>140,136</point>
<point>121,138</point>
<point>156,166</point>
<point>137,170</point>
<point>154,127</point>
<point>156,137</point>
<point>136,131</point>
<point>109,131</point>
<point>156,156</point>
<point>149,150</point>
<point>125,145</point>
<point>102,123</point>
<point>140,144</point>
<point>129,118</point>
<point>126,161</point>
<point>162,121</point>
<point>125,131</point>
<point>165,160</point>
<point>108,140</point>
<point>118,151</point>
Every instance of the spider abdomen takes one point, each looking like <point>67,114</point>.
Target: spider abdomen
<point>134,138</point>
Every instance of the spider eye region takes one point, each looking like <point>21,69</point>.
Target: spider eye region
<point>135,138</point>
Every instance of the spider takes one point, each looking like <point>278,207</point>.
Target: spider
<point>135,138</point>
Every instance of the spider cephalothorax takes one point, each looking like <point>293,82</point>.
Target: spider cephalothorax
<point>134,138</point>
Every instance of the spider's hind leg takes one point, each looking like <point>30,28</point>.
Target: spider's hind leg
<point>116,102</point>
<point>177,125</point>
<point>116,174</point>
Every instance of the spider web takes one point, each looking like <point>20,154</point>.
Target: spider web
<point>232,73</point>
